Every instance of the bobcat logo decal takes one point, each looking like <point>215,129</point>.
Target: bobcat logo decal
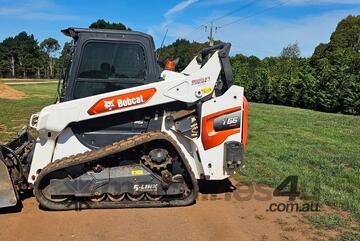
<point>109,104</point>
<point>122,101</point>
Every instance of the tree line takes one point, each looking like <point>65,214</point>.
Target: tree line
<point>22,56</point>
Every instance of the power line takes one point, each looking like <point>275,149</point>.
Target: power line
<point>202,36</point>
<point>256,13</point>
<point>212,28</point>
<point>187,34</point>
<point>236,10</point>
<point>184,36</point>
<point>221,17</point>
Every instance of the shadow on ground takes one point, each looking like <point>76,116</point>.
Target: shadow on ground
<point>18,207</point>
<point>15,209</point>
<point>216,187</point>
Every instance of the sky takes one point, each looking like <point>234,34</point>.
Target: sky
<point>253,27</point>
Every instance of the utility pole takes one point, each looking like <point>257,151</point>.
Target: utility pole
<point>212,30</point>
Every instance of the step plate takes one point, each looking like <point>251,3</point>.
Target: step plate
<point>7,193</point>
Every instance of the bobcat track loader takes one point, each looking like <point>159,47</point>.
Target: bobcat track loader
<point>124,132</point>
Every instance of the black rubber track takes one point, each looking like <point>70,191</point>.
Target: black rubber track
<point>116,147</point>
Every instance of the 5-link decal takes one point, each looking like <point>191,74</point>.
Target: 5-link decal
<point>145,187</point>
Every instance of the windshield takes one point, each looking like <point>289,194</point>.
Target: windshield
<point>110,66</point>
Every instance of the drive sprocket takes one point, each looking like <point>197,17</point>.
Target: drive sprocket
<point>157,159</point>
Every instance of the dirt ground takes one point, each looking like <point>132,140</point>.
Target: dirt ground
<point>7,92</point>
<point>223,217</point>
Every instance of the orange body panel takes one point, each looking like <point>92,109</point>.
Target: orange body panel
<point>210,138</point>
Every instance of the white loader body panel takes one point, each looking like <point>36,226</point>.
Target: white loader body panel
<point>195,83</point>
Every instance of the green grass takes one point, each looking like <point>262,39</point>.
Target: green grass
<point>25,80</point>
<point>317,147</point>
<point>349,236</point>
<point>327,221</point>
<point>15,113</point>
<point>320,148</point>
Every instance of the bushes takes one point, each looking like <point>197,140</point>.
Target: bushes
<point>294,82</point>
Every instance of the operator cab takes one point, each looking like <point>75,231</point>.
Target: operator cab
<point>108,60</point>
<point>104,61</point>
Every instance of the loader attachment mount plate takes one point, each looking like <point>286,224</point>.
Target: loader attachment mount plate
<point>7,193</point>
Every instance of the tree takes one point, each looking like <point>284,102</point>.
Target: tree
<point>18,54</point>
<point>102,24</point>
<point>9,52</point>
<point>40,64</point>
<point>27,52</point>
<point>65,57</point>
<point>50,46</point>
<point>291,51</point>
<point>337,66</point>
<point>182,49</point>
<point>346,36</point>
